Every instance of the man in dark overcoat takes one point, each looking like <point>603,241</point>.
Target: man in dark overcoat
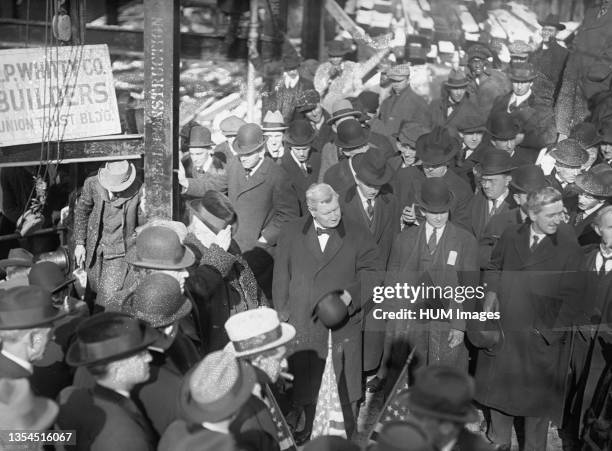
<point>454,102</point>
<point>534,284</point>
<point>485,83</point>
<point>569,157</point>
<point>505,134</point>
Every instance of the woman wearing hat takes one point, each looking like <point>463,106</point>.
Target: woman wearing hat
<point>106,216</point>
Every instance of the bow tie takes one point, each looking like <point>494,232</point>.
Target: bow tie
<point>322,231</point>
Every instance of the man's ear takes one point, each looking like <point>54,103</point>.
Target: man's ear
<point>597,229</point>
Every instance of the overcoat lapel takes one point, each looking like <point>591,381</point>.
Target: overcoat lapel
<point>252,182</point>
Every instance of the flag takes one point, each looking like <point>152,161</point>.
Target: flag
<point>329,419</point>
<point>392,409</point>
<point>284,436</point>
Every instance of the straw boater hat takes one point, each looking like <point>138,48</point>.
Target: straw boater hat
<point>273,122</point>
<point>257,330</point>
<point>26,308</point>
<point>117,176</point>
<point>159,247</point>
<point>20,409</point>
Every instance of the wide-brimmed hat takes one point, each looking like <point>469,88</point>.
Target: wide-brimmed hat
<point>595,183</point>
<point>21,410</point>
<point>495,161</point>
<point>200,137</point>
<point>117,176</point>
<point>249,139</point>
<point>351,134</point>
<point>214,209</point>
<point>291,62</point>
<point>407,435</point>
<point>230,125</point>
<point>528,178</point>
<point>18,257</point>
<point>159,247</point>
<point>399,72</point>
<point>338,48</point>
<point>479,50</point>
<point>273,121</point>
<point>26,308</point>
<point>216,388</point>
<point>586,134</point>
<point>503,126</point>
<point>307,100</point>
<point>456,79</point>
<point>522,72</point>
<point>442,392</point>
<point>330,443</point>
<point>435,195</point>
<point>330,309</point>
<point>436,147</point>
<point>552,20</point>
<point>300,133</point>
<point>343,108</point>
<point>257,330</point>
<point>372,168</point>
<point>472,120</point>
<point>410,132</point>
<point>49,276</point>
<point>108,337</point>
<point>569,153</point>
<point>158,300</point>
<point>370,101</point>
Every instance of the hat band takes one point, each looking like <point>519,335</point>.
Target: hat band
<point>209,220</point>
<point>25,316</point>
<point>113,346</point>
<point>162,259</point>
<point>273,125</point>
<point>258,340</point>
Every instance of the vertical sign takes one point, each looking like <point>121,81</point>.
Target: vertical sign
<point>161,44</point>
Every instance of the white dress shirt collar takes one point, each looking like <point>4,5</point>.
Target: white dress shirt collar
<point>256,167</point>
<point>518,100</point>
<point>429,229</point>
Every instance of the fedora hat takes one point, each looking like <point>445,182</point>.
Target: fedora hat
<point>456,79</point>
<point>214,210</point>
<point>117,176</point>
<point>522,72</point>
<point>159,247</point>
<point>216,388</point>
<point>331,309</point>
<point>343,108</point>
<point>569,153</point>
<point>442,392</point>
<point>595,183</point>
<point>249,139</point>
<point>338,48</point>
<point>26,308</point>
<point>405,435</point>
<point>49,276</point>
<point>479,50</point>
<point>552,20</point>
<point>18,257</point>
<point>399,72</point>
<point>158,301</point>
<point>372,168</point>
<point>502,126</point>
<point>300,133</point>
<point>200,137</point>
<point>435,196</point>
<point>20,409</point>
<point>436,147</point>
<point>586,134</point>
<point>108,337</point>
<point>528,178</point>
<point>308,100</point>
<point>330,443</point>
<point>410,132</point>
<point>495,161</point>
<point>230,125</point>
<point>291,62</point>
<point>351,134</point>
<point>257,330</point>
<point>273,121</point>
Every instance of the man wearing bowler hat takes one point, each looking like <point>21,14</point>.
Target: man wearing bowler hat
<point>485,83</point>
<point>471,131</point>
<point>105,220</point>
<point>550,58</point>
<point>273,127</point>
<point>569,158</point>
<point>448,109</point>
<point>259,190</point>
<point>505,132</point>
<point>290,86</point>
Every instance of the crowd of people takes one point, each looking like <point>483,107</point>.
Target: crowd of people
<point>212,332</point>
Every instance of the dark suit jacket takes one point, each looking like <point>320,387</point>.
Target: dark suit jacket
<point>12,370</point>
<point>479,212</point>
<point>407,105</point>
<point>551,63</point>
<point>300,181</point>
<point>339,176</point>
<point>584,229</point>
<point>493,232</point>
<point>439,112</point>
<point>569,193</point>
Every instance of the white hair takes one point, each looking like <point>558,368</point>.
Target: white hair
<point>320,193</point>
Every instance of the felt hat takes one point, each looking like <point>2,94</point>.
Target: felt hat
<point>442,392</point>
<point>410,132</point>
<point>399,72</point>
<point>552,20</point>
<point>528,178</point>
<point>108,337</point>
<point>435,195</point>
<point>330,309</point>
<point>249,139</point>
<point>338,48</point>
<point>343,108</point>
<point>407,435</point>
<point>200,137</point>
<point>502,126</point>
<point>456,79</point>
<point>586,134</point>
<point>291,62</point>
<point>158,301</point>
<point>307,100</point>
<point>496,162</point>
<point>471,120</point>
<point>479,50</point>
<point>21,410</point>
<point>27,307</point>
<point>436,147</point>
<point>300,133</point>
<point>273,121</point>
<point>216,388</point>
<point>330,443</point>
<point>159,247</point>
<point>597,184</point>
<point>48,276</point>
<point>522,72</point>
<point>351,134</point>
<point>370,101</point>
<point>257,330</point>
<point>214,210</point>
<point>230,125</point>
<point>372,168</point>
<point>569,153</point>
<point>18,257</point>
<point>117,176</point>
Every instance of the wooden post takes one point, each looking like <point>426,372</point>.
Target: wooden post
<point>253,53</point>
<point>161,66</point>
<point>311,28</point>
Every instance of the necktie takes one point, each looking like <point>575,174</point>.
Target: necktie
<point>492,208</point>
<point>370,210</point>
<point>579,217</point>
<point>602,268</point>
<point>513,106</point>
<point>534,243</point>
<point>432,242</point>
<point>322,231</point>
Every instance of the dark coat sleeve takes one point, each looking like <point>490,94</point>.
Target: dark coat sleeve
<point>282,272</point>
<point>285,207</point>
<point>82,211</point>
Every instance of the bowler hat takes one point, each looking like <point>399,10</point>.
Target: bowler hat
<point>307,100</point>
<point>17,257</point>
<point>552,20</point>
<point>108,337</point>
<point>158,301</point>
<point>372,167</point>
<point>502,126</point>
<point>338,48</point>
<point>200,137</point>
<point>435,196</point>
<point>595,183</point>
<point>370,101</point>
<point>117,176</point>
<point>291,62</point>
<point>586,134</point>
<point>410,132</point>
<point>456,79</point>
<point>300,133</point>
<point>351,134</point>
<point>26,308</point>
<point>48,276</point>
<point>257,330</point>
<point>522,72</point>
<point>472,120</point>
<point>20,409</point>
<point>398,72</point>
<point>216,388</point>
<point>214,210</point>
<point>479,50</point>
<point>442,392</point>
<point>569,153</point>
<point>495,161</point>
<point>436,147</point>
<point>330,443</point>
<point>528,178</point>
<point>405,435</point>
<point>331,309</point>
<point>343,108</point>
<point>230,125</point>
<point>159,247</point>
<point>249,139</point>
<point>273,121</point>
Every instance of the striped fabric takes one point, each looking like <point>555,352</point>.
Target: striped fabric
<point>284,437</point>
